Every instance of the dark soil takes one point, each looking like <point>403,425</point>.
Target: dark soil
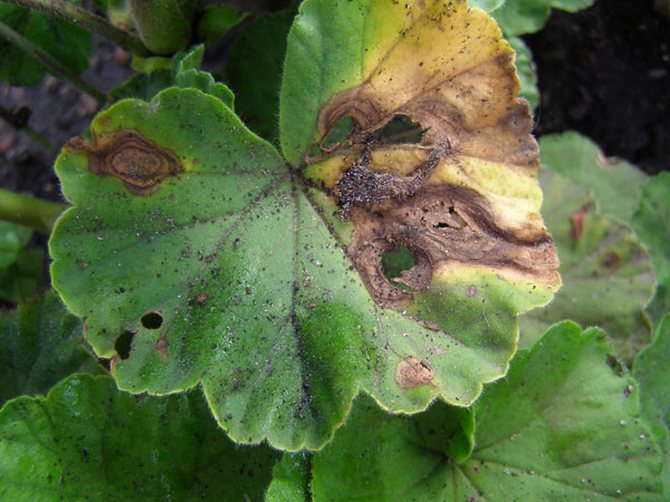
<point>605,72</point>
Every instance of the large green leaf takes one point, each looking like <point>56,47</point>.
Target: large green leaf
<point>616,184</point>
<point>563,425</point>
<point>652,224</point>
<point>40,344</point>
<point>21,267</point>
<point>253,71</point>
<point>88,441</point>
<point>70,45</point>
<point>220,265</point>
<point>608,278</point>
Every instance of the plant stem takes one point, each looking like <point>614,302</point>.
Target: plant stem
<point>35,213</point>
<point>9,117</point>
<point>91,22</point>
<point>53,65</point>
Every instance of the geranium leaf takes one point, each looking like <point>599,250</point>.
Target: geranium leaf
<point>87,440</point>
<point>223,266</point>
<point>519,17</point>
<point>616,184</point>
<point>563,424</point>
<point>652,224</point>
<point>21,268</point>
<point>526,71</point>
<point>290,479</point>
<point>254,68</point>
<point>70,45</point>
<point>40,344</point>
<point>608,278</point>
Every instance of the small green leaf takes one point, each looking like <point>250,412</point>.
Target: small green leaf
<point>487,5</point>
<point>164,26</point>
<point>21,268</point>
<point>520,17</point>
<point>290,479</point>
<point>87,440</point>
<point>217,20</point>
<point>183,72</point>
<point>526,70</point>
<point>562,425</point>
<point>118,12</point>
<point>68,44</point>
<point>616,184</point>
<point>254,71</point>
<point>40,344</point>
<point>607,274</point>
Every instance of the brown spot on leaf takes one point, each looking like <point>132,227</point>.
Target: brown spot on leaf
<point>162,346</point>
<point>412,372</point>
<point>126,155</point>
<point>577,222</point>
<point>442,224</point>
<point>609,262</point>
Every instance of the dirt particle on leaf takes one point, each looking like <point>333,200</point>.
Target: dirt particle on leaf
<point>472,291</point>
<point>202,298</point>
<point>412,372</point>
<point>128,156</point>
<point>162,346</point>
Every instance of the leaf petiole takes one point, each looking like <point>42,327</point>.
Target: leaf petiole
<point>35,213</point>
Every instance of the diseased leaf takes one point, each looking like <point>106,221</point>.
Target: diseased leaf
<point>652,224</point>
<point>290,479</point>
<point>607,274</point>
<point>262,282</point>
<point>88,441</point>
<point>40,344</point>
<point>20,267</point>
<point>562,425</point>
<point>616,184</point>
<point>253,71</point>
<point>184,73</point>
<point>68,44</point>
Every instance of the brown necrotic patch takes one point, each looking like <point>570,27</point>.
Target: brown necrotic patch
<point>412,372</point>
<point>126,155</point>
<point>441,224</point>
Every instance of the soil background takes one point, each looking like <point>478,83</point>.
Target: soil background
<point>604,72</point>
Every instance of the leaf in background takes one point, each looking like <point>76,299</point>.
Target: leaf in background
<point>290,479</point>
<point>68,44</point>
<point>87,439</point>
<point>561,425</point>
<point>118,12</point>
<point>616,184</point>
<point>164,26</point>
<point>254,70</point>
<point>652,371</point>
<point>40,344</point>
<point>520,17</point>
<point>652,224</point>
<point>486,5</point>
<point>526,70</point>
<point>220,265</point>
<point>20,268</point>
<point>217,20</point>
<point>607,274</point>
<point>184,73</point>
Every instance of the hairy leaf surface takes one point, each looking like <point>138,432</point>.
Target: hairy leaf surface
<point>88,441</point>
<point>221,265</point>
<point>608,278</point>
<point>563,425</point>
<point>40,344</point>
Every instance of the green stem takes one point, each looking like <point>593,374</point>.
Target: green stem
<point>53,65</point>
<point>35,213</point>
<point>9,117</point>
<point>81,17</point>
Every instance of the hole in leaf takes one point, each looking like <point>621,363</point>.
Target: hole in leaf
<point>123,344</point>
<point>399,130</point>
<point>152,320</point>
<point>395,262</point>
<point>339,133</point>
